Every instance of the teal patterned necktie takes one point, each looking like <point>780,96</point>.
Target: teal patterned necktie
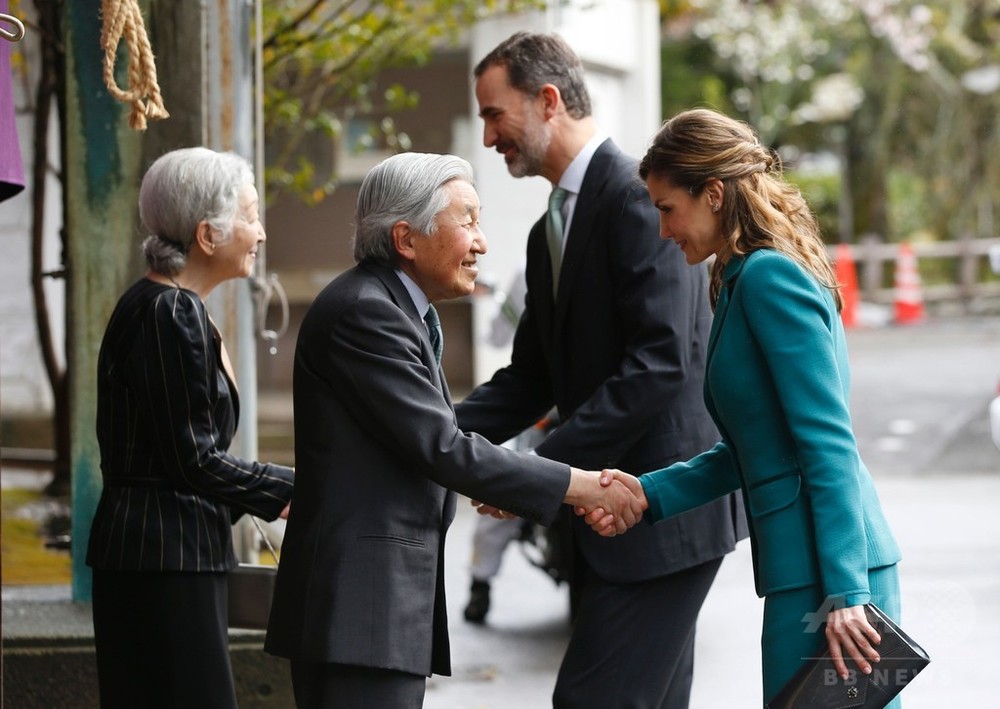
<point>554,232</point>
<point>434,328</point>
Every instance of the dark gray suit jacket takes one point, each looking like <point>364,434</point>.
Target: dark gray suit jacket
<point>378,453</point>
<point>621,352</point>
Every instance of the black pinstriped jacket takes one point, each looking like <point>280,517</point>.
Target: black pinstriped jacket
<point>166,414</point>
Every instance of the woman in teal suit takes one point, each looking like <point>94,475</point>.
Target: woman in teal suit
<point>777,386</point>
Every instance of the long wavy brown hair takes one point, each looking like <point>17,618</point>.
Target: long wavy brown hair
<point>760,209</point>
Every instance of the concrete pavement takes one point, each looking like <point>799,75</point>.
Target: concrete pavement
<point>939,479</point>
<point>948,527</point>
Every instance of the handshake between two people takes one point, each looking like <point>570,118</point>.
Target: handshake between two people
<point>611,501</point>
<point>614,506</point>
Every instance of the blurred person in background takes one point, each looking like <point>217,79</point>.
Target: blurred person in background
<point>493,535</point>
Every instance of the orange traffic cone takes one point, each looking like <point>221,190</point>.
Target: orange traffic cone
<point>847,279</point>
<point>909,298</point>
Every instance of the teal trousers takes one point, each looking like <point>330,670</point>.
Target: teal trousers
<point>794,626</point>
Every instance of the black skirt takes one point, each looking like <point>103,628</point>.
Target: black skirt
<point>162,640</point>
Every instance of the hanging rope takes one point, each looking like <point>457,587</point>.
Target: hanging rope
<point>123,20</point>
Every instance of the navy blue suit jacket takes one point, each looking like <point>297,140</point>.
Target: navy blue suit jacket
<point>620,351</point>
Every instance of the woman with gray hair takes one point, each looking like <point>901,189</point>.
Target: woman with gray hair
<point>167,411</point>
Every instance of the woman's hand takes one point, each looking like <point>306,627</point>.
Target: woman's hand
<point>609,518</point>
<point>611,507</point>
<point>597,518</point>
<point>849,634</point>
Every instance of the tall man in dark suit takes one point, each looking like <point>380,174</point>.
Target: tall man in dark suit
<point>359,605</point>
<point>613,334</point>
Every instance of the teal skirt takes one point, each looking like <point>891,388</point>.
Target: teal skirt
<point>794,628</point>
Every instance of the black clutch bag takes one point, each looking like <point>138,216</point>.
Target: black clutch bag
<point>818,686</point>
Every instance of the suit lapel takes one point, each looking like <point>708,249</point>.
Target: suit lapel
<point>581,229</point>
<point>399,295</point>
<point>729,274</point>
<point>538,275</point>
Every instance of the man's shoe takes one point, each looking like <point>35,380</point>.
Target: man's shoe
<point>479,602</point>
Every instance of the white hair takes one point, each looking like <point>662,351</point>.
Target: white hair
<point>405,187</point>
<point>182,189</point>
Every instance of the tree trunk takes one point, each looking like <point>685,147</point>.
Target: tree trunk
<point>49,82</point>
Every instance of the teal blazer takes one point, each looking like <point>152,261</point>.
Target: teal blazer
<point>777,386</point>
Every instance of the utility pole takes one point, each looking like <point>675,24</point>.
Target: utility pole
<point>101,167</point>
<point>205,71</point>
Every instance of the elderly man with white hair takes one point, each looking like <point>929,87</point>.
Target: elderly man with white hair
<point>359,606</point>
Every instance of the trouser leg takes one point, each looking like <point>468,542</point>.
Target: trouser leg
<point>632,644</point>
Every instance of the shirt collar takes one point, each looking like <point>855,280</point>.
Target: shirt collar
<point>416,294</point>
<point>572,177</point>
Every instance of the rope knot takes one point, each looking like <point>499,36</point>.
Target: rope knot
<point>122,19</point>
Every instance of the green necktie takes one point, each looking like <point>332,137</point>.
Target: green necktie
<point>434,328</point>
<point>554,232</point>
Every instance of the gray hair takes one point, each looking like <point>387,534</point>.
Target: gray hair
<point>533,60</point>
<point>181,189</point>
<point>405,187</point>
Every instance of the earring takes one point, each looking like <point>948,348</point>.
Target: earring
<point>213,248</point>
<point>715,207</point>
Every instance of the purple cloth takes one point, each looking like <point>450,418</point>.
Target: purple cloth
<point>11,165</point>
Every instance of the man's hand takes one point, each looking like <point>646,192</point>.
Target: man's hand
<point>611,506</point>
<point>495,512</point>
<point>598,518</point>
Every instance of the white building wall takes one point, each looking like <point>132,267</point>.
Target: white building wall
<point>618,42</point>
